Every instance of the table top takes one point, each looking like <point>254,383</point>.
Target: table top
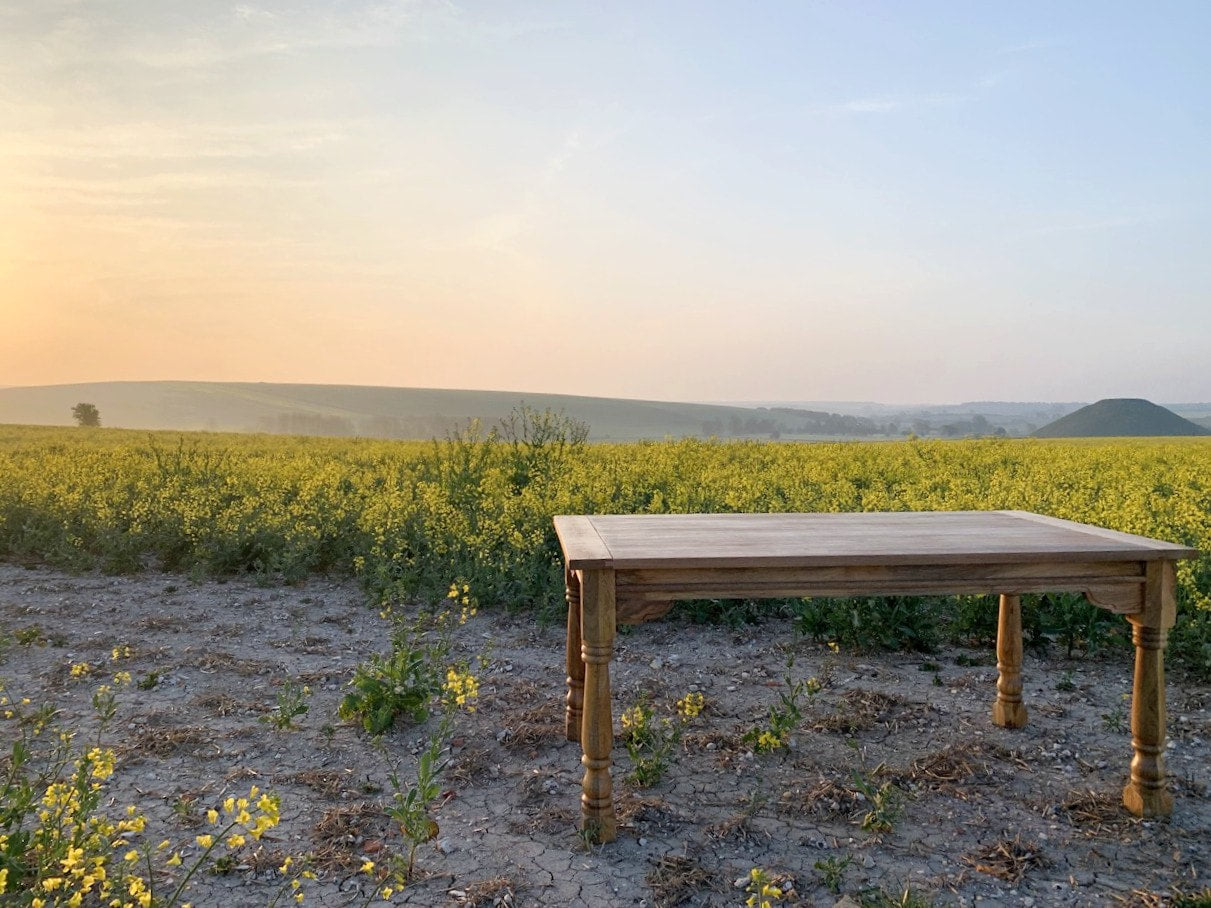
<point>632,541</point>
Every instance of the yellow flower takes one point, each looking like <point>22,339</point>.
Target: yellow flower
<point>212,816</point>
<point>175,860</point>
<point>131,855</point>
<point>235,841</point>
<point>387,893</point>
<point>690,705</point>
<point>367,866</point>
<point>205,840</point>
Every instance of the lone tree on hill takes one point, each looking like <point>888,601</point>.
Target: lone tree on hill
<point>86,415</point>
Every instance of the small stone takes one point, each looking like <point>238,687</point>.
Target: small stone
<point>445,846</point>
<point>656,663</point>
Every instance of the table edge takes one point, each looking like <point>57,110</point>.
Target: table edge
<point>594,553</point>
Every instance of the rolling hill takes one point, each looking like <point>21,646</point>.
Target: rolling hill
<point>1120,417</point>
<point>381,412</point>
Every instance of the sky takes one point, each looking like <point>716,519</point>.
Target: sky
<point>900,202</point>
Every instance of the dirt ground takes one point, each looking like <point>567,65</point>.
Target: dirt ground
<point>976,813</point>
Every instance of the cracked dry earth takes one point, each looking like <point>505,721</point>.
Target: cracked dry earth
<point>977,814</point>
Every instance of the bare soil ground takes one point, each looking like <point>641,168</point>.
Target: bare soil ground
<point>977,813</point>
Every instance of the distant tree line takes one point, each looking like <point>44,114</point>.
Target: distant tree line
<point>774,422</point>
<point>402,427</point>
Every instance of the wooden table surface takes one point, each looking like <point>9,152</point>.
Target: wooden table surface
<point>628,541</point>
<point>630,568</point>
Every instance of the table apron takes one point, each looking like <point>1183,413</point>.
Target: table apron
<point>646,593</point>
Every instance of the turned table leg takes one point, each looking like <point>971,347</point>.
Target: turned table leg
<point>575,698</point>
<point>1145,794</point>
<point>1009,711</point>
<point>597,729</point>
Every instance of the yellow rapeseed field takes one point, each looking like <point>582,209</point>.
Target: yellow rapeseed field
<point>407,516</point>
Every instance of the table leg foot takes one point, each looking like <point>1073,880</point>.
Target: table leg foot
<point>1009,711</point>
<point>575,661</point>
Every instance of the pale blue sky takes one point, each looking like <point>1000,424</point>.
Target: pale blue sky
<point>926,202</point>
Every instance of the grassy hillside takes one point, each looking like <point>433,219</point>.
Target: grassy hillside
<point>1121,417</point>
<point>417,413</point>
<point>340,409</point>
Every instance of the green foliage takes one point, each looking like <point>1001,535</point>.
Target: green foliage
<point>405,682</point>
<point>785,715</point>
<point>832,872</point>
<point>401,683</point>
<point>291,703</point>
<point>651,742</point>
<point>885,803</point>
<point>873,623</point>
<point>86,415</point>
<point>405,517</point>
<point>906,898</point>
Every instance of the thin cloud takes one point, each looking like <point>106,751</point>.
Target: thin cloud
<point>1093,224</point>
<point>890,104</point>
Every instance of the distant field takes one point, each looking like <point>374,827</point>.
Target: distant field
<point>407,518</point>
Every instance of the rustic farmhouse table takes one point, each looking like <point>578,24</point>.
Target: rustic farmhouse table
<point>626,569</point>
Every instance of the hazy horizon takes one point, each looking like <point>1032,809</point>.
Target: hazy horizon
<point>849,202</point>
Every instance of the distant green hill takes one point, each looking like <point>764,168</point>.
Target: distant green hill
<point>1118,417</point>
<point>395,412</point>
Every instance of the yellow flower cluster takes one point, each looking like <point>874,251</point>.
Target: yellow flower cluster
<point>460,593</point>
<point>69,854</point>
<point>690,706</point>
<point>767,741</point>
<point>764,892</point>
<point>240,820</point>
<point>463,688</point>
<point>635,719</point>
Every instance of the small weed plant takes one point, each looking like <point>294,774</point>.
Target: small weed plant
<point>404,682</point>
<point>762,889</point>
<point>651,742</point>
<point>412,800</point>
<point>832,872</point>
<point>291,704</point>
<point>785,715</point>
<point>1116,719</point>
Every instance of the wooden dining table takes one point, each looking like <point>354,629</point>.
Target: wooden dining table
<point>627,569</point>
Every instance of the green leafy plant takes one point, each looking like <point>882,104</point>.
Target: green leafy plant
<point>884,800</point>
<point>762,889</point>
<point>651,742</point>
<point>291,703</point>
<point>832,871</point>
<point>1116,719</point>
<point>785,715</point>
<point>404,682</point>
